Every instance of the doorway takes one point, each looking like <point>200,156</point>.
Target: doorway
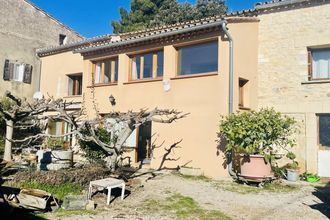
<point>324,145</point>
<point>144,143</point>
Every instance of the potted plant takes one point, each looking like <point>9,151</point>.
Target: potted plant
<point>292,169</point>
<point>254,136</point>
<point>310,177</point>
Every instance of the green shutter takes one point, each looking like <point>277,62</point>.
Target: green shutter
<point>6,72</point>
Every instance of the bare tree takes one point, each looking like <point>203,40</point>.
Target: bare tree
<point>119,125</point>
<point>16,111</point>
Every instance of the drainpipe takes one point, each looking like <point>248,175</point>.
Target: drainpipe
<point>231,66</point>
<point>231,85</point>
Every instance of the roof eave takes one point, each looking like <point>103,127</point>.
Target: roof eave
<point>274,4</point>
<point>152,37</point>
<point>71,46</point>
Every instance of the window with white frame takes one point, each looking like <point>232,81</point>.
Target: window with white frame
<point>319,63</point>
<point>17,71</point>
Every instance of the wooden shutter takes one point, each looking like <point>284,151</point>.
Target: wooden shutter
<point>11,70</point>
<point>6,72</point>
<point>310,65</point>
<point>70,86</point>
<point>27,74</point>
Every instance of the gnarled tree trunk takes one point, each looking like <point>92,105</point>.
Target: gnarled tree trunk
<point>9,136</point>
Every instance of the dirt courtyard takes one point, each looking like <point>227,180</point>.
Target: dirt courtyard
<point>171,196</point>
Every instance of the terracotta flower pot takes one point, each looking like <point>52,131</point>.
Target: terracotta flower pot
<point>255,167</point>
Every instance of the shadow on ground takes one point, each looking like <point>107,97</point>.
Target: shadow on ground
<point>323,193</point>
<point>8,212</point>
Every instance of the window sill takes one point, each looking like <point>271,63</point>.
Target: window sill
<point>244,108</point>
<point>143,81</point>
<point>103,84</point>
<point>194,75</point>
<point>316,81</point>
<point>72,96</point>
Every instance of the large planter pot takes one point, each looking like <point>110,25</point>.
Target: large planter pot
<point>255,167</point>
<point>55,159</point>
<point>62,156</point>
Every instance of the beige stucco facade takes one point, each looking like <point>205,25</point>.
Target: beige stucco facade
<point>284,37</point>
<point>205,97</point>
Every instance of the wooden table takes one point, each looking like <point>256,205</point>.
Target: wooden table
<point>108,184</point>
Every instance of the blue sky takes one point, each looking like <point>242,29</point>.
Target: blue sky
<point>93,17</point>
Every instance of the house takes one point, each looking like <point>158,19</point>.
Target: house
<point>183,66</point>
<point>23,28</point>
<point>280,59</point>
<point>294,72</point>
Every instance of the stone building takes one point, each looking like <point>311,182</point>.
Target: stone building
<point>294,72</point>
<point>24,28</point>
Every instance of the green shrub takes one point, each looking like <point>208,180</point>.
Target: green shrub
<point>54,143</point>
<point>94,152</point>
<point>59,191</point>
<point>257,132</point>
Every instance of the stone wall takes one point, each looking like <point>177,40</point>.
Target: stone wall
<point>284,36</point>
<point>23,29</point>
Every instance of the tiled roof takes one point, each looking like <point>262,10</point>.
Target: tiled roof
<point>98,40</point>
<point>245,13</point>
<point>281,3</point>
<point>155,33</point>
<point>106,40</point>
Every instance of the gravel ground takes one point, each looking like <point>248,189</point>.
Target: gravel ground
<point>234,200</point>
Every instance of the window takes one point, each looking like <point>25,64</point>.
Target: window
<point>324,130</point>
<point>75,84</point>
<point>200,58</point>
<point>147,66</point>
<point>106,71</point>
<point>242,92</point>
<point>59,128</point>
<point>62,39</point>
<point>319,63</point>
<point>17,71</point>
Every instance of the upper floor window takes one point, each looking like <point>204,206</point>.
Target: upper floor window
<point>147,66</point>
<point>319,63</point>
<point>62,39</point>
<point>196,59</point>
<point>75,84</point>
<point>106,71</point>
<point>17,71</point>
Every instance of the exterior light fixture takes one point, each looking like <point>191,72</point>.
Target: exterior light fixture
<point>112,100</point>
